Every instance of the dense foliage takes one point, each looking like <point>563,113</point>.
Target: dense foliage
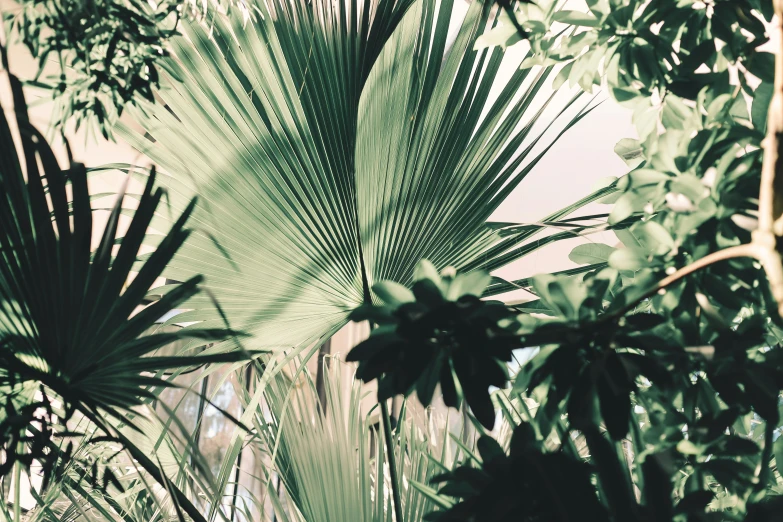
<point>276,127</point>
<point>334,146</point>
<point>99,56</point>
<point>673,385</point>
<point>72,336</point>
<point>428,336</point>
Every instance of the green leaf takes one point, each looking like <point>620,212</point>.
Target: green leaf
<point>630,151</point>
<point>762,97</point>
<point>762,65</point>
<point>686,447</point>
<point>623,208</point>
<point>425,270</point>
<point>674,113</point>
<point>599,7</point>
<point>393,293</point>
<point>503,36</point>
<point>562,76</point>
<point>654,237</point>
<point>589,253</point>
<point>626,259</point>
<point>304,132</point>
<point>472,283</point>
<point>576,18</point>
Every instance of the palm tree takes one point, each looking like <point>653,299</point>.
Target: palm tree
<point>74,323</point>
<point>333,145</point>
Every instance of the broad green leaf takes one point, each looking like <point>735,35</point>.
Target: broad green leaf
<point>334,145</point>
<point>393,293</point>
<point>654,237</point>
<point>590,253</point>
<point>623,208</point>
<point>674,113</point>
<point>502,36</point>
<point>472,283</point>
<point>762,96</point>
<point>626,259</point>
<point>630,151</point>
<point>426,270</point>
<point>576,18</point>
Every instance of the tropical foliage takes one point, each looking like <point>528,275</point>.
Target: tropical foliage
<point>333,146</point>
<point>70,325</point>
<point>293,170</point>
<point>97,57</point>
<point>318,142</point>
<point>672,384</point>
<point>428,336</point>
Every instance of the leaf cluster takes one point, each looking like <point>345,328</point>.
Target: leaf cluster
<point>528,484</point>
<point>109,53</point>
<point>438,333</point>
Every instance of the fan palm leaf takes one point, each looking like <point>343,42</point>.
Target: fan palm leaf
<point>68,315</point>
<point>335,145</point>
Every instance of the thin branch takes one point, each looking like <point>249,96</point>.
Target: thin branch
<point>770,200</point>
<point>771,190</point>
<point>753,250</point>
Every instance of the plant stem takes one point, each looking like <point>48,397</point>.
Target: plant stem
<point>769,198</point>
<point>17,492</point>
<point>771,190</point>
<point>387,436</point>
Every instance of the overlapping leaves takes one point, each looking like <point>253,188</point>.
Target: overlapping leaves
<point>440,332</point>
<point>70,324</point>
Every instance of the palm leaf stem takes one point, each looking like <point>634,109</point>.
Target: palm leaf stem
<point>387,437</point>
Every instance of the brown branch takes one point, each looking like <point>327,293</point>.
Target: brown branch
<point>771,199</point>
<point>771,190</point>
<point>748,250</point>
<point>763,246</point>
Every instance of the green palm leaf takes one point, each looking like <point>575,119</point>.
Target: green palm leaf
<point>68,315</point>
<point>74,322</point>
<point>334,145</point>
<point>330,468</point>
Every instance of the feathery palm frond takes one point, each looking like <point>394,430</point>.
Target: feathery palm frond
<point>73,325</point>
<point>335,145</point>
<point>131,496</point>
<point>68,315</point>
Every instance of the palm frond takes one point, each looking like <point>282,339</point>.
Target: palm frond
<point>73,321</point>
<point>335,145</point>
<point>332,459</point>
<point>68,315</point>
